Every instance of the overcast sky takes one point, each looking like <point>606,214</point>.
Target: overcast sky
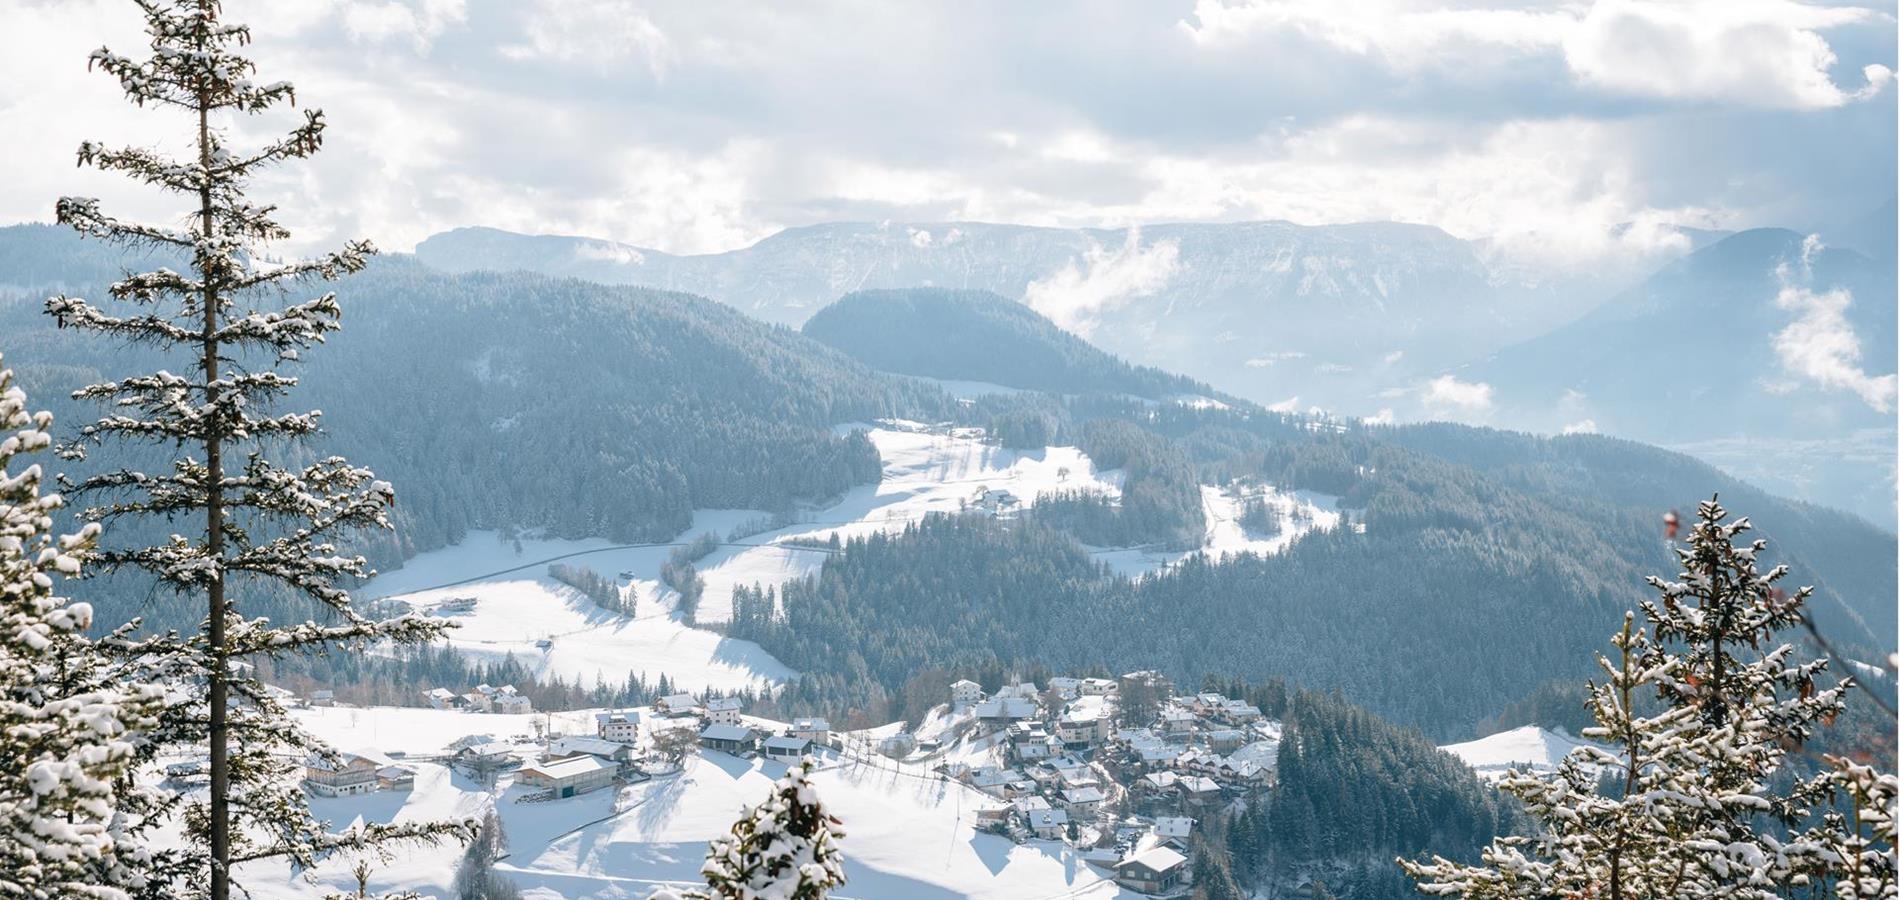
<point>702,126</point>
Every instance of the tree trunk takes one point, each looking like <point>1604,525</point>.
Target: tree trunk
<point>214,538</point>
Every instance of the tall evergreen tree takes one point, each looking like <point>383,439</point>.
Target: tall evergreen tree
<point>1700,801</point>
<point>74,727</point>
<point>264,526</point>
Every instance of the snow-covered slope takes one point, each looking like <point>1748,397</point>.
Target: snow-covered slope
<point>927,470</point>
<point>1529,747</point>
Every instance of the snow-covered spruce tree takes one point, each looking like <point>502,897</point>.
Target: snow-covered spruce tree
<point>783,849</point>
<point>1688,810</point>
<point>261,526</point>
<point>72,729</point>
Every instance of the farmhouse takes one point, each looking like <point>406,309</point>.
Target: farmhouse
<point>966,691</point>
<point>1152,872</point>
<point>347,774</point>
<point>568,777</point>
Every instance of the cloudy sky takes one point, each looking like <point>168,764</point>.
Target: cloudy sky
<point>700,126</point>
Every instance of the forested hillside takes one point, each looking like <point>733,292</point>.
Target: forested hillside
<point>528,402</point>
<point>980,336</point>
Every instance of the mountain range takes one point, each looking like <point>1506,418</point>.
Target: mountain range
<point>1385,320</point>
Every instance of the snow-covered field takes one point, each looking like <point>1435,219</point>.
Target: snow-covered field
<point>1528,747</point>
<point>909,834</point>
<point>516,610</point>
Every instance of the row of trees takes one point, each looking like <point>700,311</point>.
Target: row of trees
<point>594,586</point>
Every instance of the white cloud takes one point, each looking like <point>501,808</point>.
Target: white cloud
<point>1289,405</point>
<point>1074,296</point>
<point>1767,53</point>
<point>1763,52</point>
<point>1383,417</point>
<point>531,115</point>
<point>421,24</point>
<point>598,33</point>
<point>1403,34</point>
<point>1586,426</point>
<point>1394,357</point>
<point>1447,394</point>
<point>1820,344</point>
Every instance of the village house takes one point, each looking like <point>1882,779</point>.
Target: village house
<point>1243,772</point>
<point>1200,789</point>
<point>813,729</point>
<point>1048,824</point>
<point>1079,727</point>
<point>1083,801</point>
<point>994,780</point>
<point>476,701</point>
<point>1176,721</point>
<point>1068,688</point>
<point>734,739</point>
<point>1160,756</point>
<point>1174,830</point>
<point>442,698</point>
<point>898,746</point>
<point>1032,750</point>
<point>470,740</point>
<point>723,710</point>
<point>1225,740</point>
<point>1196,761</point>
<point>676,705</point>
<point>396,778</point>
<point>1240,712</point>
<point>1157,783</point>
<point>507,700</point>
<point>786,748</point>
<point>965,691</point>
<point>1207,703</point>
<point>1096,687</point>
<point>1155,871</point>
<point>996,502</point>
<point>348,774</point>
<point>621,727</point>
<point>570,776</point>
